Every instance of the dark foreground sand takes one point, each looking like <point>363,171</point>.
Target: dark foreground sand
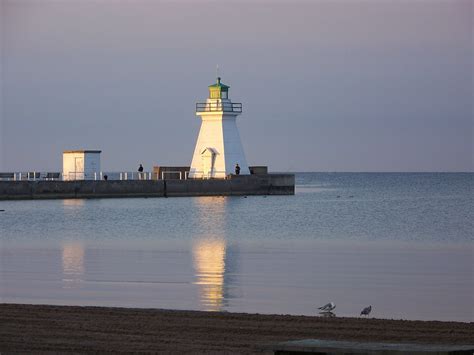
<point>59,329</point>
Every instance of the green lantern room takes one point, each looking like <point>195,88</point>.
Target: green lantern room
<point>218,90</point>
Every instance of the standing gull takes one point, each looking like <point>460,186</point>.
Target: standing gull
<point>366,311</point>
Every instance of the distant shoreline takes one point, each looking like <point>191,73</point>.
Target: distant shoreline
<point>43,328</point>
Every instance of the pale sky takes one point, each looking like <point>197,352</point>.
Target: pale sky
<point>325,85</point>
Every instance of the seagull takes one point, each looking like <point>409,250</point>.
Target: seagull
<point>327,307</point>
<point>366,311</point>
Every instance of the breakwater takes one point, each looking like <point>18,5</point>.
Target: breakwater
<point>269,184</point>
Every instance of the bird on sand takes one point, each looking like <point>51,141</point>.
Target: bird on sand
<point>366,311</point>
<point>327,307</point>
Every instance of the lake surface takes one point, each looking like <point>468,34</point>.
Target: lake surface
<point>400,242</point>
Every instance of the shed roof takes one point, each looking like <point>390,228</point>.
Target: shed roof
<point>81,151</point>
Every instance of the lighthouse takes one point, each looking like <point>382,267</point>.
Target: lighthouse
<point>218,148</point>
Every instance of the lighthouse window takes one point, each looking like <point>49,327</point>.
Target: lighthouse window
<point>214,94</point>
<point>224,94</point>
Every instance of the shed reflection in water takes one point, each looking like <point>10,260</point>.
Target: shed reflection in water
<point>73,202</point>
<point>73,265</point>
<point>211,254</point>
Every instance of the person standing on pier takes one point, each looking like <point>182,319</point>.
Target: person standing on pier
<point>140,172</point>
<point>237,169</point>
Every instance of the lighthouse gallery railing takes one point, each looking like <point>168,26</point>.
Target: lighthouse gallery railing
<point>218,107</point>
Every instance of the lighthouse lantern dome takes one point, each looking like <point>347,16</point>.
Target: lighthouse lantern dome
<point>218,90</point>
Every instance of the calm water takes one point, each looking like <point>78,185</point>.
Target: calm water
<point>400,242</point>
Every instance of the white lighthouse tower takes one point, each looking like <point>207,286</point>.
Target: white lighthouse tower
<point>218,148</point>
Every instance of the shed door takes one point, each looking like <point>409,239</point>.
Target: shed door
<point>79,168</point>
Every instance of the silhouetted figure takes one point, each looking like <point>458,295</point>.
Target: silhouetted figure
<point>237,169</point>
<point>105,177</point>
<point>140,172</point>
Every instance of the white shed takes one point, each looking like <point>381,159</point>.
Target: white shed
<point>81,164</point>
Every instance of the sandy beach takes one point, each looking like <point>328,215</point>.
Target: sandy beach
<point>40,328</point>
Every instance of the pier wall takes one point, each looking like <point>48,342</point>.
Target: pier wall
<point>270,184</point>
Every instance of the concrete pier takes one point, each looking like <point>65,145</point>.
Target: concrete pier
<point>269,184</point>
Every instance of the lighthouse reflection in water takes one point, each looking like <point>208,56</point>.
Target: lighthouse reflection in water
<point>214,261</point>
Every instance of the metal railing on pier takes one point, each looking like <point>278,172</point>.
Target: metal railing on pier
<point>199,174</point>
<point>93,176</point>
<point>112,176</point>
<point>169,175</point>
<point>30,176</point>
